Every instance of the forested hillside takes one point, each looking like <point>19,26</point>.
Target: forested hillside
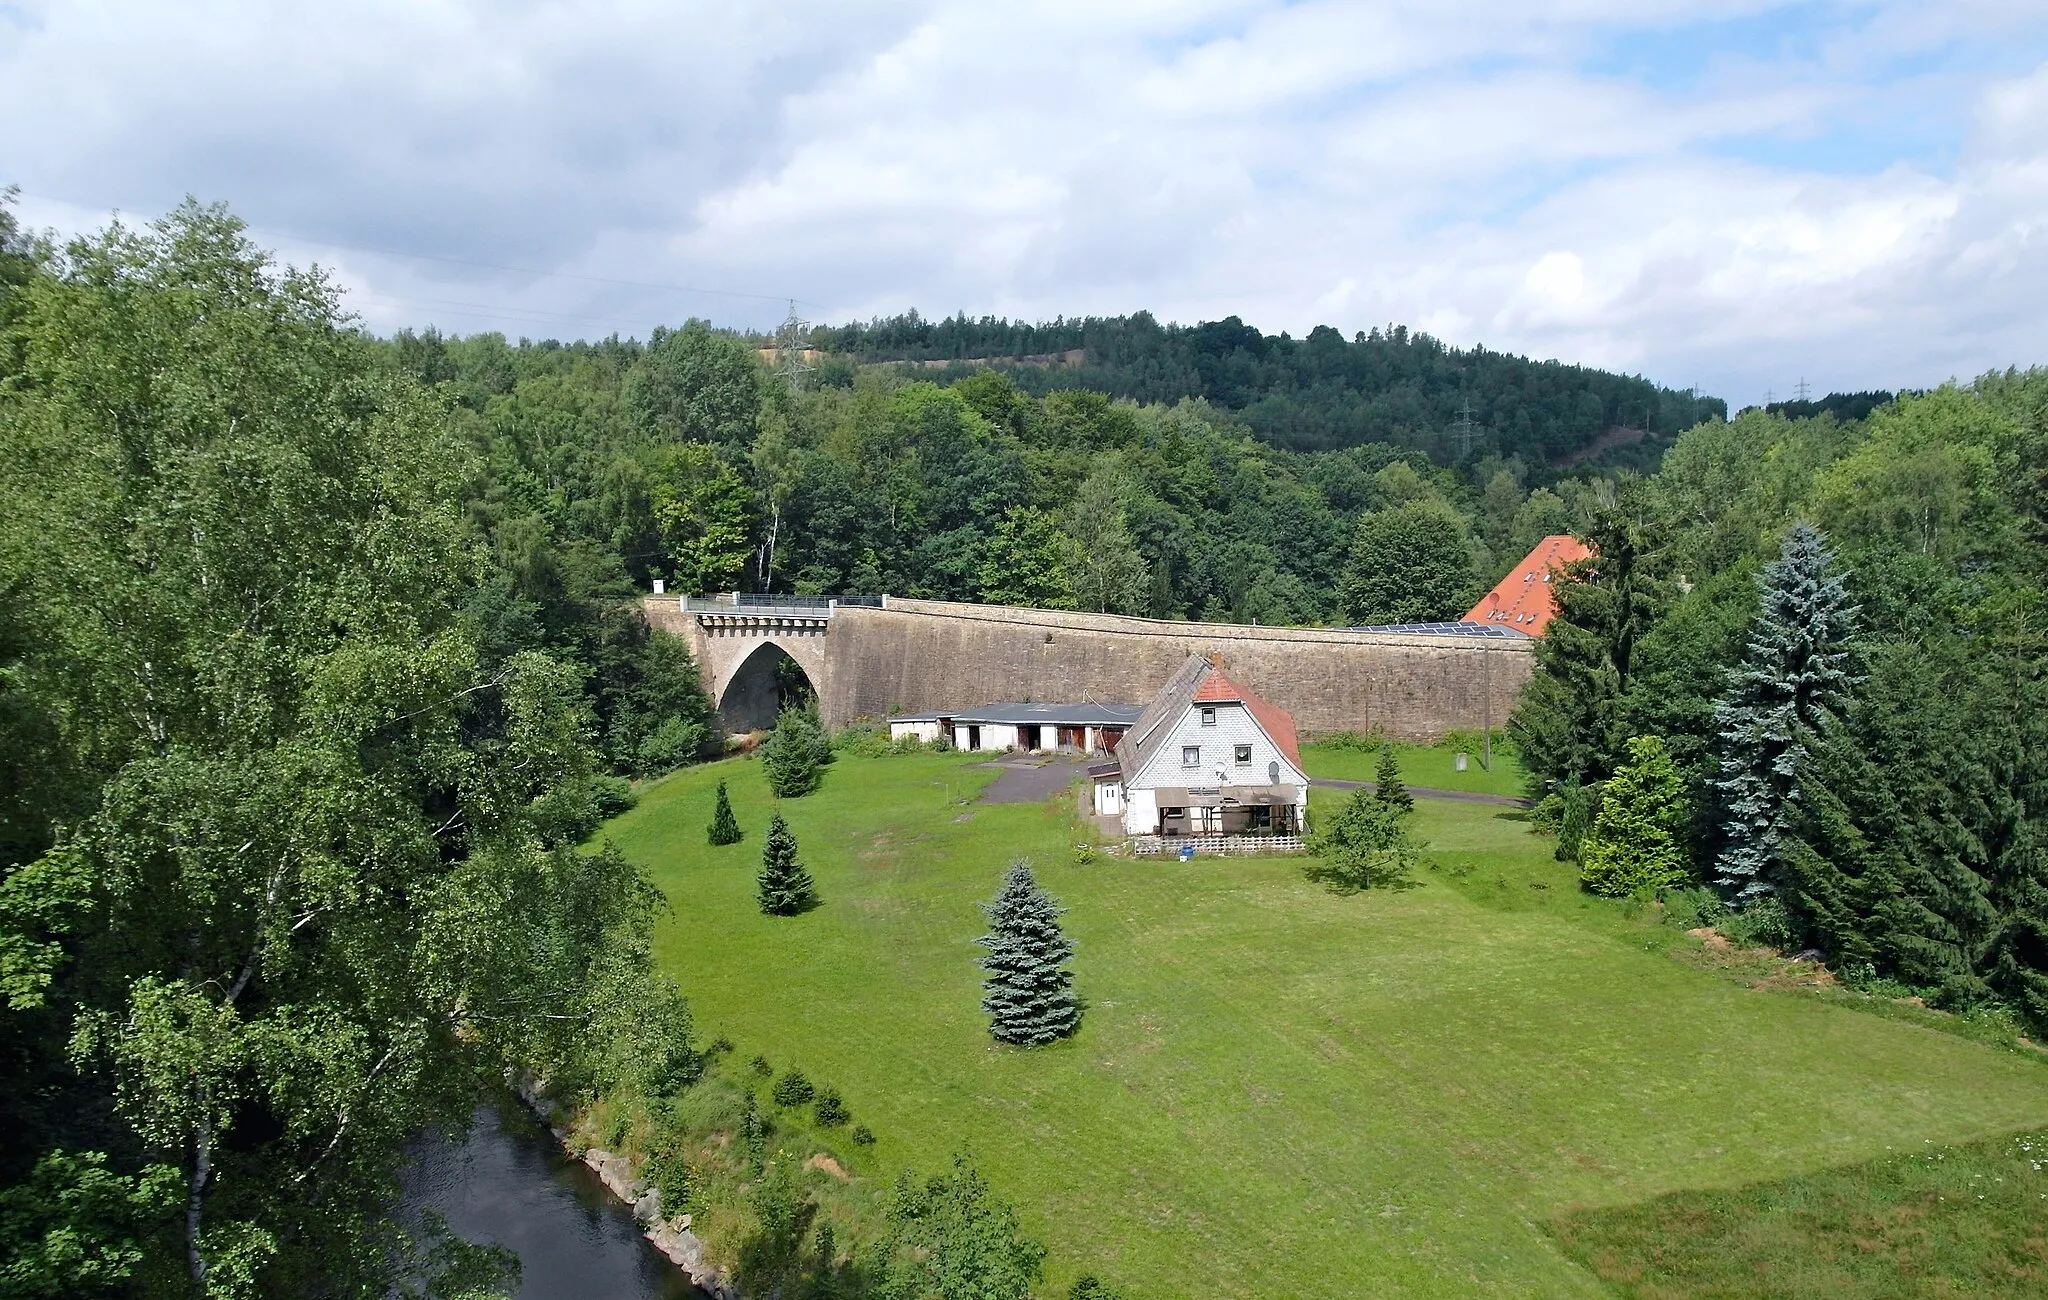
<point>1315,393</point>
<point>686,459</point>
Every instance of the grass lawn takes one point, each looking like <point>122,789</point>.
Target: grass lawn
<point>1278,1091</point>
<point>1434,766</point>
<point>1937,1221</point>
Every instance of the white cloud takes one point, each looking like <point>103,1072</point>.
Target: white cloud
<point>1493,172</point>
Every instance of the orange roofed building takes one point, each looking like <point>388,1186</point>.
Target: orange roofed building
<point>1522,599</point>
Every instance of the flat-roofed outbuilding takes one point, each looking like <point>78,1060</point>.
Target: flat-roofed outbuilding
<point>1039,728</point>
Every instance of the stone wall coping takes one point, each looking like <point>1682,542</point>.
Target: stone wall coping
<point>1074,621</point>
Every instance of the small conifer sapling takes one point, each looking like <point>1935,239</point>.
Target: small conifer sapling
<point>1027,990</point>
<point>784,887</point>
<point>1389,792</point>
<point>725,828</point>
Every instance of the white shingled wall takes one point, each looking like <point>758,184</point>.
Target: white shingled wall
<point>1218,766</point>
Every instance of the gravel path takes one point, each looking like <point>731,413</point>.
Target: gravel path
<point>1030,780</point>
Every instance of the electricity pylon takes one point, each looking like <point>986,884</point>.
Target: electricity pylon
<point>792,343</point>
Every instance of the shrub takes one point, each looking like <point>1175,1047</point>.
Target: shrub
<point>759,1065</point>
<point>669,746</point>
<point>1762,922</point>
<point>1864,978</point>
<point>793,1089</point>
<point>670,1175</point>
<point>863,740</point>
<point>1362,741</point>
<point>1691,907</point>
<point>1474,742</point>
<point>951,1236</point>
<point>754,1135</point>
<point>863,1136</point>
<point>783,1212</point>
<point>830,1109</point>
<point>1089,1287</point>
<point>612,795</point>
<point>1572,809</point>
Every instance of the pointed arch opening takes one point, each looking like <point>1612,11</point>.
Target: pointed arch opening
<point>767,681</point>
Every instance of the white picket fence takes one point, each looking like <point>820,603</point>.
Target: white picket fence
<point>1217,845</point>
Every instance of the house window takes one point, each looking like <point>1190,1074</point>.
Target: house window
<point>1208,717</point>
<point>1244,755</point>
<point>1190,755</point>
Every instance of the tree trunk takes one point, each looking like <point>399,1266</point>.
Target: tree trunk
<point>195,1198</point>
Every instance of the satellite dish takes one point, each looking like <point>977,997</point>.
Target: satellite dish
<point>1273,772</point>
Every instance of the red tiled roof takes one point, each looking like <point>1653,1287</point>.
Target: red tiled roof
<point>1522,599</point>
<point>1278,723</point>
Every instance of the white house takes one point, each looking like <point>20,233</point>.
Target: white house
<point>1070,728</point>
<point>1206,757</point>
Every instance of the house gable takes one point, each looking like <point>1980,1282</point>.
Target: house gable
<point>1152,754</point>
<point>1217,745</point>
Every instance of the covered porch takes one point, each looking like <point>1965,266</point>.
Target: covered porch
<point>1229,811</point>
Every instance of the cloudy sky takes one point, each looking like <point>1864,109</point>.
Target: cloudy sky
<point>1735,194</point>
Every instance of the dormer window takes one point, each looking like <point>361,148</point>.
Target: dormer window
<point>1208,717</point>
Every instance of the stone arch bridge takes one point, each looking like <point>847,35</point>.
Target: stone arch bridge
<point>869,661</point>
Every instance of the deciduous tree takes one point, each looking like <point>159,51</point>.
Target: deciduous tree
<point>1409,564</point>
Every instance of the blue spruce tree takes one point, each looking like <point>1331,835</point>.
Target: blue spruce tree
<point>1794,678</point>
<point>1027,990</point>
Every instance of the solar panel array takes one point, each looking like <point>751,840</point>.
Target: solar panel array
<point>1494,630</point>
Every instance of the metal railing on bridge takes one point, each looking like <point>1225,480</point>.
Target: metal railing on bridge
<point>772,603</point>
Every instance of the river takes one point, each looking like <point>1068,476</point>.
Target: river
<point>507,1182</point>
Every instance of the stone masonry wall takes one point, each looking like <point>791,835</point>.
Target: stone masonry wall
<point>919,655</point>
